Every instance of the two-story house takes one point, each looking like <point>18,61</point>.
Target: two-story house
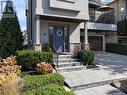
<point>56,22</point>
<point>120,7</point>
<point>101,26</point>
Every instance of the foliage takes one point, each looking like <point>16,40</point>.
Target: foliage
<point>10,84</point>
<point>33,81</point>
<point>117,48</point>
<point>10,33</point>
<point>8,66</point>
<point>51,89</point>
<point>45,68</point>
<point>87,56</point>
<point>46,48</point>
<point>28,59</point>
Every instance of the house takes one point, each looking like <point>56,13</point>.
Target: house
<point>68,25</point>
<point>120,7</point>
<point>101,26</point>
<point>56,22</point>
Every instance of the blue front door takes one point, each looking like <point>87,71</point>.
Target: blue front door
<point>58,38</point>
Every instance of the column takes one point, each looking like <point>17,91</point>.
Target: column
<point>37,40</point>
<point>86,47</point>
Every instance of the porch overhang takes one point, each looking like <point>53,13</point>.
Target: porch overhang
<point>63,19</point>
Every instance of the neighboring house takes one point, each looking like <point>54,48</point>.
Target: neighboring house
<point>25,37</point>
<point>101,27</point>
<point>56,22</point>
<point>120,7</point>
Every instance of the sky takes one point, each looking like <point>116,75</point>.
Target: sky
<point>20,6</point>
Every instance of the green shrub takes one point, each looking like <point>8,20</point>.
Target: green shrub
<point>51,89</point>
<point>117,48</point>
<point>28,58</point>
<point>87,56</point>
<point>89,59</point>
<point>33,81</point>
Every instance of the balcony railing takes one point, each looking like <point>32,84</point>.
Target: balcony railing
<point>100,17</point>
<point>95,2</point>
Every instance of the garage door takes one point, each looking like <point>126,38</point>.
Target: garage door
<point>96,43</point>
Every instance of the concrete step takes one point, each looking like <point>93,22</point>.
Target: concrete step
<point>66,56</point>
<point>100,90</point>
<point>72,68</point>
<point>69,64</point>
<point>68,60</point>
<point>84,79</point>
<point>95,84</point>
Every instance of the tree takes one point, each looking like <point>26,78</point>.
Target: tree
<point>10,33</point>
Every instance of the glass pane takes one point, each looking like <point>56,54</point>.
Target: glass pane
<point>66,35</point>
<point>51,36</point>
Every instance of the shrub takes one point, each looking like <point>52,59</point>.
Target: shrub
<point>46,48</point>
<point>10,84</point>
<point>51,89</point>
<point>28,59</point>
<point>33,81</point>
<point>44,68</point>
<point>117,48</point>
<point>8,66</point>
<point>87,56</point>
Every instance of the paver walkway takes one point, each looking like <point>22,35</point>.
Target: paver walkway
<point>112,67</point>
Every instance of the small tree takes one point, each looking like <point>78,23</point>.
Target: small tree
<point>10,33</point>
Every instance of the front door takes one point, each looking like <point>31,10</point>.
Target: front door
<point>59,38</point>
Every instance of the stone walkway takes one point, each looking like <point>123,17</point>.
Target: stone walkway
<point>112,67</point>
<point>101,90</point>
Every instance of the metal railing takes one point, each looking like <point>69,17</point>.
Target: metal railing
<point>56,56</point>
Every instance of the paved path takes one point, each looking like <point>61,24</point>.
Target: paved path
<point>110,61</point>
<point>112,67</point>
<point>101,90</point>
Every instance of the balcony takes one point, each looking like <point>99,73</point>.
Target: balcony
<point>100,26</point>
<point>94,3</point>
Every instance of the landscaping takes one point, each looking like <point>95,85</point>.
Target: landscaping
<point>43,80</point>
<point>28,59</point>
<point>87,56</point>
<point>117,48</point>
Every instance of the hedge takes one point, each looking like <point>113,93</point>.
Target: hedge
<point>28,58</point>
<point>51,89</point>
<point>117,48</point>
<point>34,81</point>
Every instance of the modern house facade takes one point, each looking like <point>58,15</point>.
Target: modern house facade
<point>120,7</point>
<point>66,24</point>
<point>56,22</point>
<point>101,26</point>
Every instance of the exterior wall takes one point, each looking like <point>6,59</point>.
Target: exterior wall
<point>76,9</point>
<point>119,7</point>
<point>111,37</point>
<point>74,32</point>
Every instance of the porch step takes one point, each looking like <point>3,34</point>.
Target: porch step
<point>94,84</point>
<point>66,56</point>
<point>67,60</point>
<point>72,68</point>
<point>69,64</point>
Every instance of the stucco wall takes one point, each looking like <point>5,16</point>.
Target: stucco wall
<point>62,8</point>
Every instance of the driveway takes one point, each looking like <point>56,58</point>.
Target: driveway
<point>110,61</point>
